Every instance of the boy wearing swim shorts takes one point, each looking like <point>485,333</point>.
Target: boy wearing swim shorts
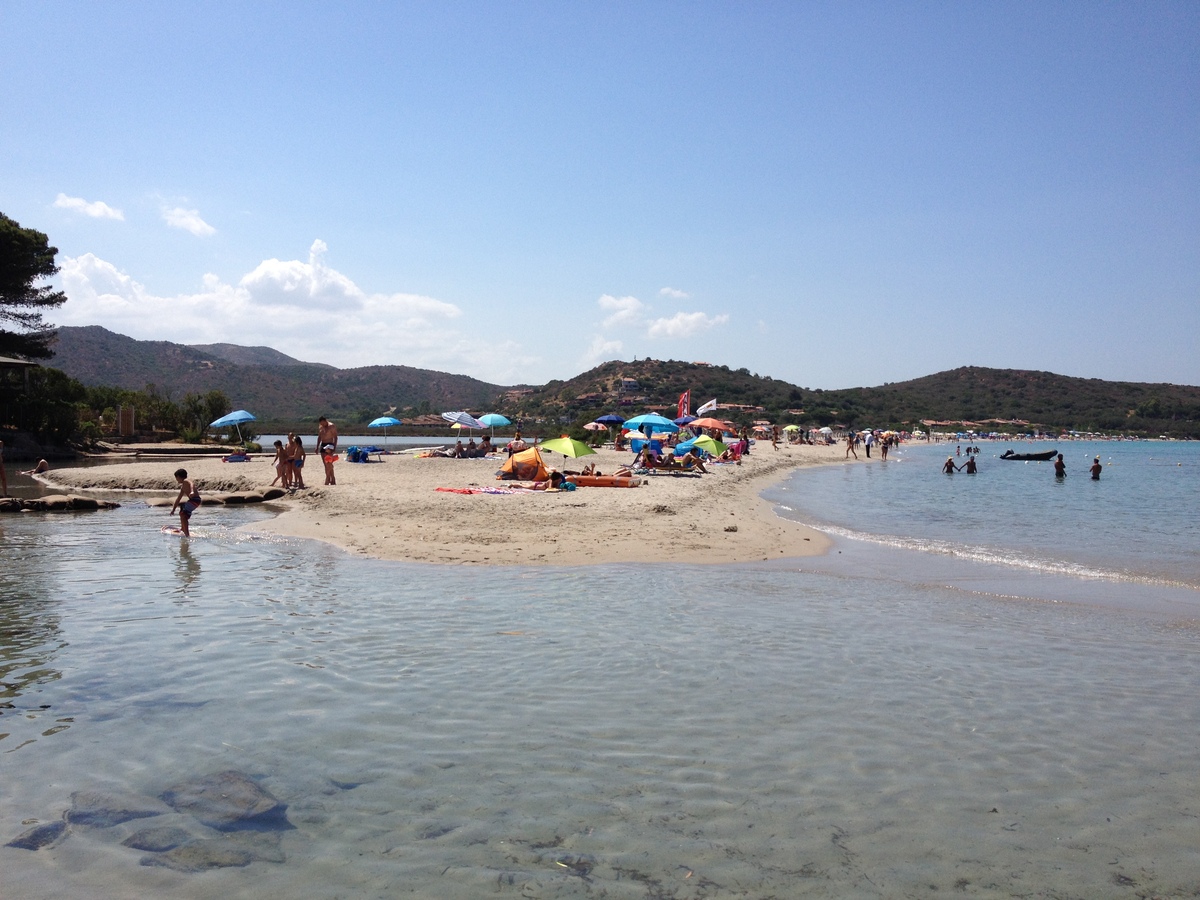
<point>190,505</point>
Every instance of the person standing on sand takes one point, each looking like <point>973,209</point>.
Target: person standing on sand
<point>1096,469</point>
<point>296,458</point>
<point>1060,467</point>
<point>850,446</point>
<point>283,466</point>
<point>327,457</point>
<point>326,433</point>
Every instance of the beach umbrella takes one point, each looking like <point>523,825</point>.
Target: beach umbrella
<point>610,419</point>
<point>650,421</point>
<point>466,420</point>
<point>383,422</point>
<point>494,421</point>
<point>235,418</point>
<point>567,447</point>
<point>707,422</point>
<point>791,427</point>
<point>684,420</point>
<point>708,445</point>
<point>594,426</point>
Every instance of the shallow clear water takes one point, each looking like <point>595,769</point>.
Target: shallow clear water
<point>814,729</point>
<point>1131,539</point>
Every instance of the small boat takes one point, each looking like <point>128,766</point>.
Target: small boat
<point>1030,457</point>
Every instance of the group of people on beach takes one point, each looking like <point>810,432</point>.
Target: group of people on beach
<point>289,459</point>
<point>289,463</point>
<point>870,439</point>
<point>470,450</point>
<point>648,459</point>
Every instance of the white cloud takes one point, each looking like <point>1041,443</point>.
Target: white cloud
<point>673,293</point>
<point>97,209</point>
<point>188,220</point>
<point>291,282</point>
<point>625,310</point>
<point>632,313</point>
<point>304,309</point>
<point>684,324</point>
<point>602,350</point>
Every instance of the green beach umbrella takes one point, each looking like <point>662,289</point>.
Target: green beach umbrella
<point>567,447</point>
<point>708,445</point>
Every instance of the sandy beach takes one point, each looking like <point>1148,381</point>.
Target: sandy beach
<point>392,509</point>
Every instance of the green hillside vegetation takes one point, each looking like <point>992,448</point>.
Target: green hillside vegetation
<point>283,391</point>
<point>175,387</point>
<point>1046,401</point>
<point>250,356</point>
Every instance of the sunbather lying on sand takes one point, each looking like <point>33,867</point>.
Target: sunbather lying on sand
<point>554,482</point>
<point>689,462</point>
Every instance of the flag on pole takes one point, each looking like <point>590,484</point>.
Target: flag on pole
<point>707,407</point>
<point>685,404</point>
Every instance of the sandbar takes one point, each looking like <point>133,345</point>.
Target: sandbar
<point>390,508</point>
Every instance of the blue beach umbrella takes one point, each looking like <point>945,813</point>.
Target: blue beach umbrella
<point>650,422</point>
<point>610,419</point>
<point>235,418</point>
<point>494,421</point>
<point>383,422</point>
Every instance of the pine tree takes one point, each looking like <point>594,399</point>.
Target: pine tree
<point>26,257</point>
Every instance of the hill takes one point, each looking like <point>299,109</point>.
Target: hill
<point>281,389</point>
<point>971,393</point>
<point>250,356</point>
<point>277,388</point>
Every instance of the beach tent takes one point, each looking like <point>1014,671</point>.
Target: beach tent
<point>524,466</point>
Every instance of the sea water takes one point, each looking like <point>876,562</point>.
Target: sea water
<point>1131,538</point>
<point>963,696</point>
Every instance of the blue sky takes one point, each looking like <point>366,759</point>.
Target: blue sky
<point>834,194</point>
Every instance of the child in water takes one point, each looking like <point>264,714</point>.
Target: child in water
<point>190,505</point>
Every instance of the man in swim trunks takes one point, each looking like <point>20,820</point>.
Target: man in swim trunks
<point>190,505</point>
<point>326,433</point>
<point>1096,469</point>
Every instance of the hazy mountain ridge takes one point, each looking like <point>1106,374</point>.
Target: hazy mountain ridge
<point>278,387</point>
<point>293,391</point>
<point>251,356</point>
<point>969,393</point>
